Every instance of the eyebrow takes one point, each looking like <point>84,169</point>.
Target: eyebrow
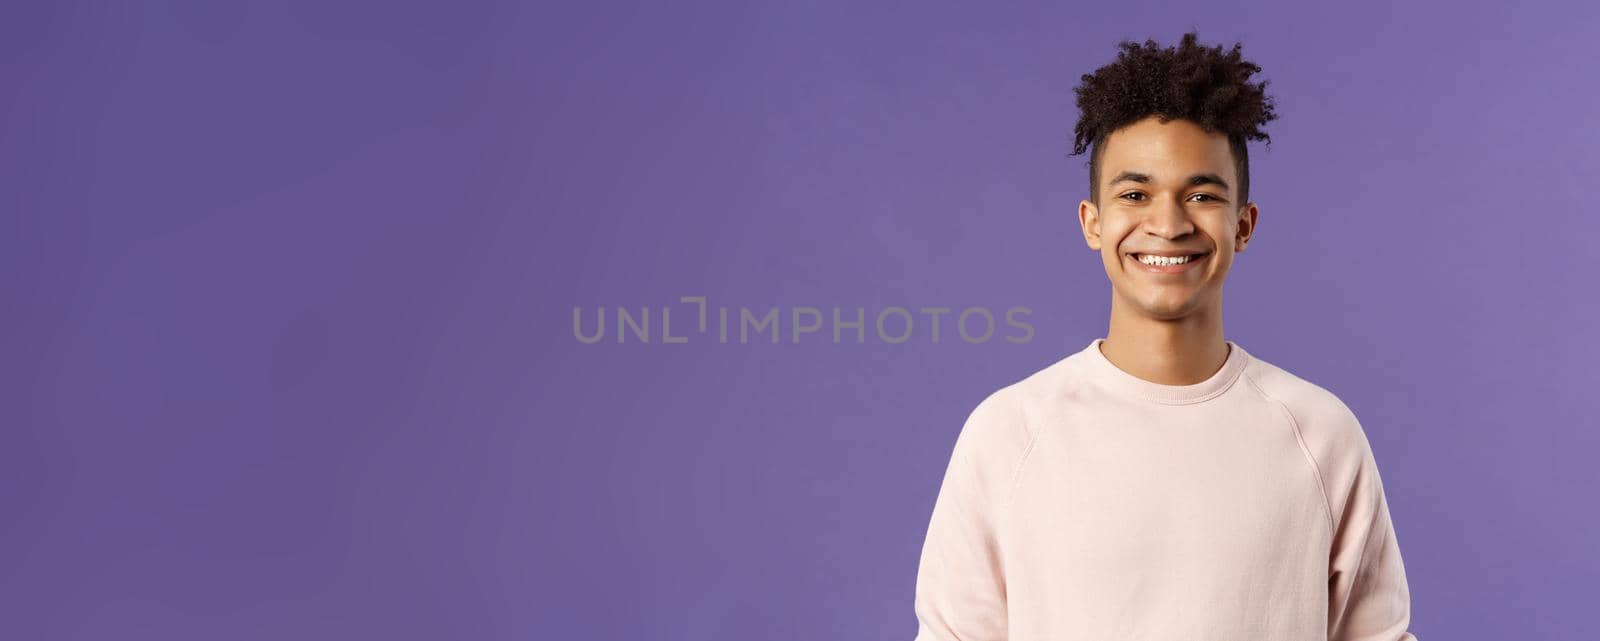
<point>1197,179</point>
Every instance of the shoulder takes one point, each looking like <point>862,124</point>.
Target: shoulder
<point>998,425</point>
<point>1333,438</point>
<point>1011,417</point>
<point>1007,421</point>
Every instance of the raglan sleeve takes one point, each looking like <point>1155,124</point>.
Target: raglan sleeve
<point>1368,598</point>
<point>961,582</point>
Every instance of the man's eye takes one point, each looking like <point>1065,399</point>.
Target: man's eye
<point>1130,196</point>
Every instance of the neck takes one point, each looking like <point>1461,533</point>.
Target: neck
<point>1181,351</point>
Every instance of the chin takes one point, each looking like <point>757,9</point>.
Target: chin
<point>1163,312</point>
<point>1168,310</point>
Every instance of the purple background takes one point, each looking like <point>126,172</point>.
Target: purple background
<point>287,295</point>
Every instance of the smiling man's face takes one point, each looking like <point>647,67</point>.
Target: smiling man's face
<point>1167,194</point>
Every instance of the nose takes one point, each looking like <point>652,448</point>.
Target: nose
<point>1169,221</point>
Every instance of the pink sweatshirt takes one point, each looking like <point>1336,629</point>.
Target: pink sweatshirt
<point>1085,503</point>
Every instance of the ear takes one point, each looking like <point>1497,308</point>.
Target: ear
<point>1245,228</point>
<point>1089,219</point>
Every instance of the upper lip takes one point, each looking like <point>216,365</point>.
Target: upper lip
<point>1170,253</point>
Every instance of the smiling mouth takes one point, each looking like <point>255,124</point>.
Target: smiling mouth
<point>1167,261</point>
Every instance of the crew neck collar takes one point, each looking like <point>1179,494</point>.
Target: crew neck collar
<point>1108,374</point>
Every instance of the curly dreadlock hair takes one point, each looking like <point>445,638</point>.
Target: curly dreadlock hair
<point>1191,82</point>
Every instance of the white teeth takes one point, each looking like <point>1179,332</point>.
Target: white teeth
<point>1163,260</point>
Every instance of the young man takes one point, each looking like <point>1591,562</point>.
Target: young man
<point>1163,483</point>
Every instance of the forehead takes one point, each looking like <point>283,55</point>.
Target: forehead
<point>1167,152</point>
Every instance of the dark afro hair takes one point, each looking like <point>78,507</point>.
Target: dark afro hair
<point>1195,83</point>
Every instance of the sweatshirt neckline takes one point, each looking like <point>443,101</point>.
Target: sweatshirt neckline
<point>1108,374</point>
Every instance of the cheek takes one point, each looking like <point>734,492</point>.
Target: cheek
<point>1111,239</point>
<point>1222,262</point>
<point>1110,256</point>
